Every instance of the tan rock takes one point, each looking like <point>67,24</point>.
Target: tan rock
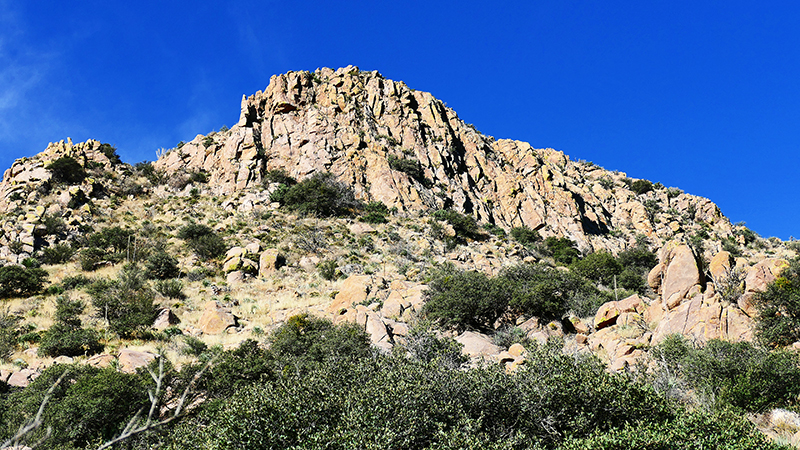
<point>353,291</point>
<point>720,265</point>
<point>100,361</point>
<point>477,345</point>
<point>270,261</point>
<point>22,378</point>
<point>682,273</point>
<point>517,350</point>
<point>130,360</point>
<point>216,318</point>
<point>165,319</point>
<point>764,273</point>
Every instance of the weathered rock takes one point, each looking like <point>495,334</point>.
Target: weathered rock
<point>681,275</point>
<point>477,345</point>
<point>720,265</point>
<point>165,319</point>
<point>270,261</point>
<point>130,360</point>
<point>216,318</point>
<point>354,290</point>
<point>22,378</point>
<point>705,321</point>
<point>609,312</point>
<point>100,361</point>
<point>764,273</point>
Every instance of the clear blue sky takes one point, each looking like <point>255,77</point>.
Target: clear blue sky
<point>704,96</point>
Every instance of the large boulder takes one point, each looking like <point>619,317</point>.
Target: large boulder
<point>354,290</point>
<point>477,345</point>
<point>681,274</point>
<point>216,318</point>
<point>130,360</point>
<point>764,273</point>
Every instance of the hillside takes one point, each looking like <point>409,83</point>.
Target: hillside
<point>356,199</point>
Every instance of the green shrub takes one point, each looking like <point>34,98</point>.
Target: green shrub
<point>65,336</point>
<point>778,321</point>
<point>31,263</point>
<point>464,226</point>
<point>542,291</point>
<point>279,176</point>
<point>206,243</point>
<point>161,266</point>
<point>75,282</point>
<point>53,225</point>
<point>641,186</point>
<point>422,344</point>
<point>110,152</point>
<point>127,303</point>
<point>8,333</point>
<point>170,288</point>
<point>329,269</point>
<point>66,170</point>
<point>320,195</point>
<point>18,281</point>
<point>600,267</point>
<point>464,299</point>
<point>91,257</point>
<point>56,254</point>
<point>494,230</point>
<point>194,346</point>
<point>525,235</point>
<point>410,167</point>
<point>563,250</point>
<point>277,195</point>
<point>726,374</point>
<point>307,340</point>
<point>89,405</point>
<point>375,212</point>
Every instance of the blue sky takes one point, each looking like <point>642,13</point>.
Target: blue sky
<point>699,95</point>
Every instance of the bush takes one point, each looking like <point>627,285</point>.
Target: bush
<point>279,176</point>
<point>641,186</point>
<point>375,212</point>
<point>563,250</point>
<point>305,340</point>
<point>110,152</point>
<point>525,236</point>
<point>733,374</point>
<point>464,299</point>
<point>91,257</point>
<point>66,170</point>
<point>423,345</point>
<point>542,291</point>
<point>75,282</point>
<point>126,303</point>
<point>464,226</point>
<point>320,195</point>
<point>329,270</point>
<point>8,334</point>
<point>161,266</point>
<point>170,288</point>
<point>778,322</point>
<point>410,167</point>
<point>56,254</point>
<point>31,263</point>
<point>600,267</point>
<point>66,337</point>
<point>203,241</point>
<point>18,281</point>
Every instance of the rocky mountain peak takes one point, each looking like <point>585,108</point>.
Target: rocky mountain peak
<point>410,151</point>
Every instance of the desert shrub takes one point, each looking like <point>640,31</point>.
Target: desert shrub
<point>53,225</point>
<point>91,257</point>
<point>126,303</point>
<point>65,336</point>
<point>464,226</point>
<point>56,254</point>
<point>639,257</point>
<point>600,267</point>
<point>410,167</point>
<point>563,250</point>
<point>110,152</point>
<point>542,291</point>
<point>494,230</point>
<point>147,170</point>
<point>31,263</point>
<point>329,269</point>
<point>375,212</point>
<point>424,345</point>
<point>73,282</point>
<point>87,406</point>
<point>320,195</point>
<point>464,299</point>
<point>206,243</point>
<point>66,170</point>
<point>279,176</point>
<point>194,346</point>
<point>234,369</point>
<point>641,186</point>
<point>161,266</point>
<point>778,322</point>
<point>307,340</point>
<point>525,235</point>
<point>112,239</point>
<point>726,374</point>
<point>171,288</point>
<point>18,281</point>
<point>692,429</point>
<point>9,333</point>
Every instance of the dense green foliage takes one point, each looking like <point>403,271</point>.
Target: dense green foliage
<point>778,307</point>
<point>161,266</point>
<point>464,226</point>
<point>375,212</point>
<point>65,336</point>
<point>19,281</point>
<point>641,186</point>
<point>56,254</point>
<point>525,235</point>
<point>732,374</point>
<point>66,170</point>
<point>320,195</point>
<point>126,303</point>
<point>9,333</point>
<point>600,266</point>
<point>562,249</point>
<point>206,243</point>
<point>471,299</point>
<point>410,167</point>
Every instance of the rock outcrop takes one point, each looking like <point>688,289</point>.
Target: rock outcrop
<point>354,124</point>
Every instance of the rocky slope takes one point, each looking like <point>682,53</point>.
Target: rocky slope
<point>353,124</point>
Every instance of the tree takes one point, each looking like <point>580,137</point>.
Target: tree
<point>18,281</point>
<point>127,303</point>
<point>66,170</point>
<point>778,308</point>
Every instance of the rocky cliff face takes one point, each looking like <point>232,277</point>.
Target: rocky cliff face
<point>353,124</point>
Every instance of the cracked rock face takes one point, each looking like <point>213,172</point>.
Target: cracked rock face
<point>353,123</point>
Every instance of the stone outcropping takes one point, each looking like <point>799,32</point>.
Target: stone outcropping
<point>354,124</point>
